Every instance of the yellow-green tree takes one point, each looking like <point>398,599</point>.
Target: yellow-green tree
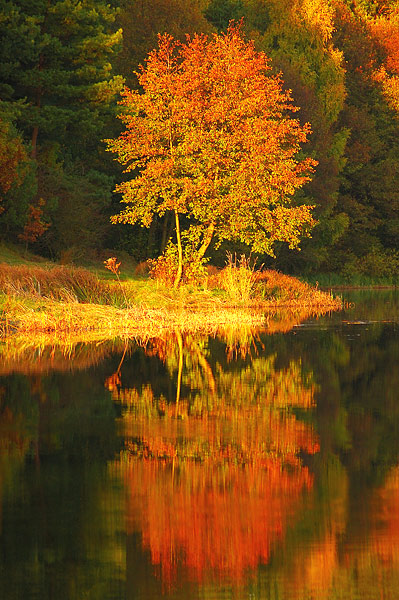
<point>210,137</point>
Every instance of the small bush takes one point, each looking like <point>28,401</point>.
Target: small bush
<point>164,268</point>
<point>239,278</point>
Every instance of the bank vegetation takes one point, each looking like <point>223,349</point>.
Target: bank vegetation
<point>38,299</point>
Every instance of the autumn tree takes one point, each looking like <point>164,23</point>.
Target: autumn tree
<point>369,191</point>
<point>35,226</point>
<point>210,137</point>
<point>298,38</point>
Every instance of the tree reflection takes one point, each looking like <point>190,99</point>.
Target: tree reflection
<point>57,537</point>
<point>214,472</point>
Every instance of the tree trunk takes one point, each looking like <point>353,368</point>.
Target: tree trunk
<point>179,371</point>
<point>165,232</point>
<point>206,241</point>
<point>35,133</point>
<point>151,236</point>
<point>180,252</point>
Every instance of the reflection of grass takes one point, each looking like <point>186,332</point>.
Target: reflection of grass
<point>34,299</point>
<point>44,353</point>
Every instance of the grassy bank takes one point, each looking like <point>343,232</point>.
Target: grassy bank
<point>48,298</point>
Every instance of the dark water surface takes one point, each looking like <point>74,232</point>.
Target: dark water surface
<point>250,464</point>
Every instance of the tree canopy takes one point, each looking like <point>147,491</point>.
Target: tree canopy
<point>210,136</point>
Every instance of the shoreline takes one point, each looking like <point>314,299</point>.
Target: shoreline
<point>76,318</point>
<point>62,300</point>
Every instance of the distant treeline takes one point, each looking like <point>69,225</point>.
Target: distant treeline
<point>64,62</point>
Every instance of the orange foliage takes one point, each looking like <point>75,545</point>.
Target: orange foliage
<point>34,227</point>
<point>214,477</point>
<point>212,521</point>
<point>210,137</point>
<point>385,30</point>
<point>13,158</point>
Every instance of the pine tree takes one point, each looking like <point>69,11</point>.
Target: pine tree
<point>57,85</point>
<point>56,56</point>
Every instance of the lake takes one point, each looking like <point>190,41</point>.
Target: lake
<point>251,464</point>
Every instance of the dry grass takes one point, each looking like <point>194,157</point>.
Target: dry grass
<point>51,316</point>
<point>284,290</point>
<point>239,278</point>
<point>269,289</point>
<point>35,299</point>
<point>65,284</point>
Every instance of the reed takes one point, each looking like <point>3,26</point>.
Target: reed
<point>286,290</point>
<point>63,284</point>
<point>246,285</point>
<point>239,278</point>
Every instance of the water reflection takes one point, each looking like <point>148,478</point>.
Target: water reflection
<point>59,513</point>
<point>239,465</point>
<point>213,473</point>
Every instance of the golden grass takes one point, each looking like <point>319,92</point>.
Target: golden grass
<point>35,299</point>
<point>51,316</point>
<point>61,283</point>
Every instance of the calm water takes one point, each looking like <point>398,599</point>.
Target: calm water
<point>250,465</point>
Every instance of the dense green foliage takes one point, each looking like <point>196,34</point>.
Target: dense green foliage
<point>62,65</point>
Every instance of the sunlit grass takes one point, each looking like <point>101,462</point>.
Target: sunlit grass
<point>36,298</point>
<point>58,317</point>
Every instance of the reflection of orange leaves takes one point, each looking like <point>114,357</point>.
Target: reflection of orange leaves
<point>12,435</point>
<point>312,571</point>
<point>160,347</point>
<point>315,569</point>
<point>212,491</point>
<point>212,521</point>
<point>113,382</point>
<point>385,516</point>
<point>376,550</point>
<point>244,436</point>
<point>215,476</point>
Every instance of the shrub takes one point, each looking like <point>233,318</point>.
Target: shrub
<point>239,278</point>
<point>164,268</point>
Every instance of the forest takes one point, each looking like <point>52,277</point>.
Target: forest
<point>64,64</point>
